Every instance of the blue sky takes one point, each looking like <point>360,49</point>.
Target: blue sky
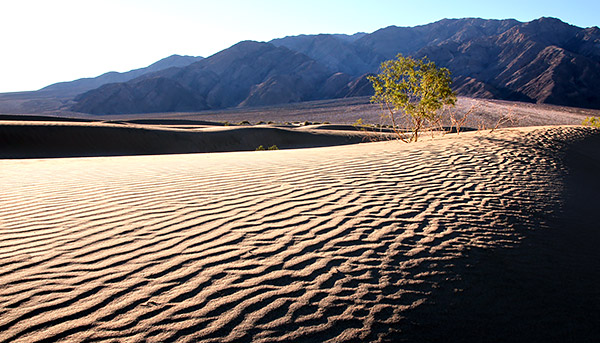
<point>44,42</point>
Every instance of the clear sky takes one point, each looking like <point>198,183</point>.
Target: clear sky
<point>47,41</point>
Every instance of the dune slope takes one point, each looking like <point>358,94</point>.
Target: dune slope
<point>34,139</point>
<point>371,242</point>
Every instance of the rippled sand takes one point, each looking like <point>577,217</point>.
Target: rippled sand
<point>371,242</point>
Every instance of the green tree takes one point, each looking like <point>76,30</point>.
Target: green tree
<point>416,88</point>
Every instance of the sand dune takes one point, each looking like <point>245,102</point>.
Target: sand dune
<point>477,236</point>
<point>39,139</point>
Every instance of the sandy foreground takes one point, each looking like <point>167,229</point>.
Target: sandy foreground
<point>475,237</point>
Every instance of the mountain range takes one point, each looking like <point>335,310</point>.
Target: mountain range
<point>544,61</point>
<point>83,85</point>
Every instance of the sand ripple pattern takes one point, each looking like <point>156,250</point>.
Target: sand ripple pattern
<point>328,244</point>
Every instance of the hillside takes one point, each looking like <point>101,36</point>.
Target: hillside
<point>58,98</point>
<point>247,74</point>
<point>543,61</point>
<point>83,85</point>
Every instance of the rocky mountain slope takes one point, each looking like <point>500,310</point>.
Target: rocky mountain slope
<point>83,85</point>
<point>544,61</point>
<point>247,74</point>
<point>365,53</point>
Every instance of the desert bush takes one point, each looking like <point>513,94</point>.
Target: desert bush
<point>262,148</point>
<point>244,122</point>
<point>504,118</point>
<point>457,121</point>
<point>358,123</point>
<point>591,121</point>
<point>415,88</point>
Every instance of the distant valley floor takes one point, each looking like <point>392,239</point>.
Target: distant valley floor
<point>298,125</point>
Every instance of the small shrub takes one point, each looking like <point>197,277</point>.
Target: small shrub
<point>262,148</point>
<point>270,122</point>
<point>326,123</point>
<point>245,122</point>
<point>591,121</point>
<point>457,122</point>
<point>360,125</point>
<point>358,122</point>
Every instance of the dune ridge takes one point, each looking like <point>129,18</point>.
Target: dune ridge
<point>338,244</point>
<point>45,139</point>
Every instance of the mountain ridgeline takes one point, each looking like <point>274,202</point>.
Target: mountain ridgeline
<point>82,85</point>
<point>544,61</point>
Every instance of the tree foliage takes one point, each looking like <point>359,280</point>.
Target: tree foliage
<point>415,88</point>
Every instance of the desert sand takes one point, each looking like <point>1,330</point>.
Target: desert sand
<point>475,237</point>
<point>69,138</point>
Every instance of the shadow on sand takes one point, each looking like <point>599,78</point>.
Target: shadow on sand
<point>547,288</point>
